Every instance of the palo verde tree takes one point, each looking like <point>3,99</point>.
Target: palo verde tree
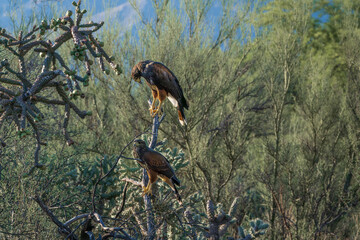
<point>284,24</point>
<point>306,149</point>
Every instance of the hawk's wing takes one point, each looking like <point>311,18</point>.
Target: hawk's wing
<point>158,163</point>
<point>163,78</point>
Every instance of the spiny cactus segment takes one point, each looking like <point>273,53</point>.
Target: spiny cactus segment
<point>19,94</point>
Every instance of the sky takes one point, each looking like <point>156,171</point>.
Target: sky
<point>117,10</point>
<point>120,11</point>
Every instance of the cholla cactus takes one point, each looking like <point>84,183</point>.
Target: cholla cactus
<point>218,220</point>
<point>19,93</point>
<point>257,229</point>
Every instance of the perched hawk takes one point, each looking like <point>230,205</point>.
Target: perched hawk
<point>163,83</point>
<point>157,166</point>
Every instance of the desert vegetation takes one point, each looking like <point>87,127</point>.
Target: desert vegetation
<point>271,149</point>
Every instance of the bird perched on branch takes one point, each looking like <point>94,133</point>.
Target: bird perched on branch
<point>163,84</point>
<point>156,165</point>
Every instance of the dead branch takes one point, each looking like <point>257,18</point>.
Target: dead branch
<point>18,85</point>
<point>63,229</point>
<point>136,183</point>
<point>123,201</point>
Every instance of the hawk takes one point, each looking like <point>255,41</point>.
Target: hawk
<point>163,84</point>
<point>156,165</point>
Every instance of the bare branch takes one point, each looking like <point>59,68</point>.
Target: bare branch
<point>123,200</point>
<point>63,229</point>
<point>76,218</point>
<point>136,183</point>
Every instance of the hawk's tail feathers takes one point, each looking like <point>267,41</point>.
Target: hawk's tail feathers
<point>176,181</point>
<point>182,118</point>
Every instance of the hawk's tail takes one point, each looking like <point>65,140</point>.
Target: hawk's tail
<point>181,114</point>
<point>174,181</point>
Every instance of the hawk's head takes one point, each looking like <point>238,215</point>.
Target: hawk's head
<point>136,73</point>
<point>139,143</point>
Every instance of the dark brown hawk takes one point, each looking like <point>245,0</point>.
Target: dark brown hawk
<point>156,165</point>
<point>163,84</point>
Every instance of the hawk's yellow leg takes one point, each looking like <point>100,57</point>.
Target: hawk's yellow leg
<point>147,189</point>
<point>157,110</point>
<point>152,179</point>
<point>152,108</point>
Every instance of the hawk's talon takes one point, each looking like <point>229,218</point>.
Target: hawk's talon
<point>154,113</point>
<point>157,111</point>
<point>149,192</point>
